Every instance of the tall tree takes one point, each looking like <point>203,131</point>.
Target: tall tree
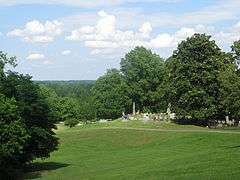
<point>230,84</point>
<point>34,113</point>
<point>230,93</point>
<point>144,72</point>
<point>71,99</point>
<point>53,101</point>
<point>110,95</point>
<point>194,71</point>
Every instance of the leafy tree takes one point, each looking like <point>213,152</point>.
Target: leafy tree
<point>53,100</point>
<point>144,73</point>
<point>13,137</point>
<point>34,113</point>
<point>236,54</point>
<point>88,110</point>
<point>236,50</point>
<point>70,99</point>
<point>110,95</point>
<point>230,84</point>
<point>71,122</point>
<point>76,89</point>
<point>230,93</point>
<point>194,70</point>
<point>70,108</point>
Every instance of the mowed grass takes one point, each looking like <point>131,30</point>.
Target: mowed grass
<point>89,152</point>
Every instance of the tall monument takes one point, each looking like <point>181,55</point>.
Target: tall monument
<point>134,109</point>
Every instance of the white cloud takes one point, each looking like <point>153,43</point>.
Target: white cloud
<point>35,56</point>
<point>184,33</point>
<point>95,52</point>
<point>229,35</point>
<point>146,29</point>
<point>101,44</point>
<point>132,17</point>
<point>103,30</point>
<point>37,32</point>
<point>167,40</point>
<point>101,51</point>
<point>106,25</point>
<point>66,52</point>
<point>105,35</point>
<point>47,62</point>
<point>162,40</point>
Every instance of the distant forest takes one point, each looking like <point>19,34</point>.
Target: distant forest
<point>69,88</point>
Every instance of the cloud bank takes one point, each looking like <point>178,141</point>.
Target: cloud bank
<point>37,32</point>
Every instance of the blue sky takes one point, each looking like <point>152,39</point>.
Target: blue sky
<point>79,39</point>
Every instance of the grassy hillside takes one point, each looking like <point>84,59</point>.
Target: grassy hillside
<point>110,153</point>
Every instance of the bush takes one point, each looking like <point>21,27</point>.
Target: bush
<point>71,122</point>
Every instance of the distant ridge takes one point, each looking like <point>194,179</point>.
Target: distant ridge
<point>65,81</point>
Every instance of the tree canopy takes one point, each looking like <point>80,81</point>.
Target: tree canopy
<point>28,118</point>
<point>110,97</point>
<point>144,72</point>
<point>200,74</point>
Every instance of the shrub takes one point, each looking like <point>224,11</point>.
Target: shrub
<point>71,122</point>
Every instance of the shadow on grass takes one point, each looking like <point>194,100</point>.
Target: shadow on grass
<point>34,170</point>
<point>230,147</point>
<point>233,147</point>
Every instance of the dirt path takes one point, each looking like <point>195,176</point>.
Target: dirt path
<point>177,130</point>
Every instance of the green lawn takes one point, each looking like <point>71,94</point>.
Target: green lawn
<point>101,151</point>
<point>132,124</point>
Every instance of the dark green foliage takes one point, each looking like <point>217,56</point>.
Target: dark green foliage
<point>230,94</point>
<point>87,109</point>
<point>71,122</point>
<point>69,108</point>
<point>230,84</point>
<point>79,89</point>
<point>35,113</point>
<point>62,108</point>
<point>110,95</point>
<point>195,68</point>
<point>53,100</point>
<point>236,50</point>
<point>70,99</point>
<point>144,73</point>
<point>28,118</point>
<point>13,136</point>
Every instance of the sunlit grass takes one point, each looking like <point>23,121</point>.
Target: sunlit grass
<point>97,151</point>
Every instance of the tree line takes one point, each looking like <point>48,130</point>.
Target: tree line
<point>199,80</point>
<point>70,101</point>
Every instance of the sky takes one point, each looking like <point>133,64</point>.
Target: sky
<point>81,39</point>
